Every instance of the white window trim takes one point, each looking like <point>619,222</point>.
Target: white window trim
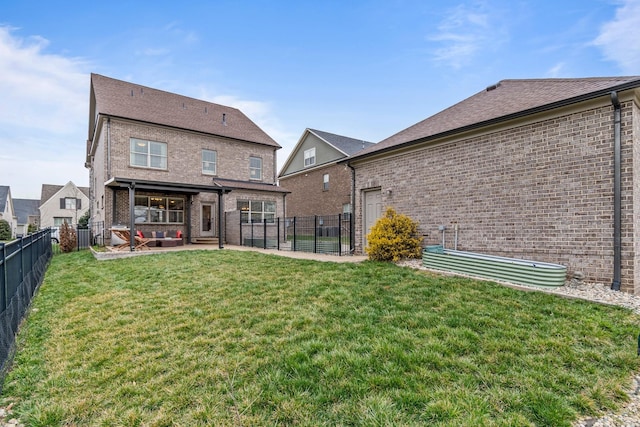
<point>214,163</point>
<point>252,169</point>
<point>309,157</point>
<point>163,158</point>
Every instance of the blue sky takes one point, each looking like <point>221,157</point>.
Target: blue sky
<point>363,69</point>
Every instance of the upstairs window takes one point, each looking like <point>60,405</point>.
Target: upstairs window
<point>209,162</point>
<point>325,182</point>
<point>255,168</point>
<point>70,203</point>
<point>148,154</point>
<point>310,157</point>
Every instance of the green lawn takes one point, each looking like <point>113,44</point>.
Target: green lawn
<point>236,338</point>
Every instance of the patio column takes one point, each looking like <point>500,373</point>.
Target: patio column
<point>132,218</point>
<point>220,221</point>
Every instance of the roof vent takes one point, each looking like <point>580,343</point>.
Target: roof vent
<point>493,87</point>
<point>131,92</point>
<point>224,119</point>
<point>205,109</point>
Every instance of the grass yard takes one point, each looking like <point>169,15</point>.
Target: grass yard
<point>230,338</point>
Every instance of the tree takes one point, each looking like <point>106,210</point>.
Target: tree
<point>68,238</point>
<point>5,230</point>
<point>393,237</point>
<point>83,221</point>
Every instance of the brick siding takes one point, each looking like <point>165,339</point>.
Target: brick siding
<point>308,196</point>
<point>539,190</point>
<point>184,165</point>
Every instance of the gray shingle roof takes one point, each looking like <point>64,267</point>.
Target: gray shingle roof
<point>505,100</point>
<point>133,101</point>
<point>48,190</point>
<point>25,208</point>
<point>345,144</point>
<point>249,185</point>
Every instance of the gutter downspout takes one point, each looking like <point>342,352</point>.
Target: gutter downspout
<point>108,148</point>
<point>617,197</point>
<point>352,222</point>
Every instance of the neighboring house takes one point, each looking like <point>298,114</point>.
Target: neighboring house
<point>160,161</point>
<point>27,213</point>
<point>7,211</point>
<point>60,203</point>
<point>318,184</point>
<point>526,169</point>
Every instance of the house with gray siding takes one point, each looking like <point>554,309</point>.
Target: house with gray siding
<point>7,211</point>
<point>62,203</point>
<point>540,169</point>
<point>160,161</point>
<point>318,184</point>
<point>27,214</point>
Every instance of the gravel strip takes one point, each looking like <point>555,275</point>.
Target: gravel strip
<point>629,415</point>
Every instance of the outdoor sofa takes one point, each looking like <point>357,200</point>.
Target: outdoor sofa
<point>162,239</point>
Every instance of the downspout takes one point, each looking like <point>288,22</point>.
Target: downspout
<point>352,243</point>
<point>617,195</point>
<point>108,148</point>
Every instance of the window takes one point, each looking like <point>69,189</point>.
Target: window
<point>59,220</point>
<point>159,210</point>
<point>252,211</point>
<point>310,157</point>
<point>70,203</point>
<point>209,160</point>
<point>325,182</point>
<point>255,168</point>
<point>148,154</point>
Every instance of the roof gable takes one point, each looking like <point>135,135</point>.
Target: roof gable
<point>49,190</point>
<point>502,101</point>
<point>118,98</point>
<point>330,148</point>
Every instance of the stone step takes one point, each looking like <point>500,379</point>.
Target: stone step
<point>205,240</point>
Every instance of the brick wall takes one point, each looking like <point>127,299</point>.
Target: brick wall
<point>184,155</point>
<point>308,196</point>
<point>540,190</point>
<point>184,165</point>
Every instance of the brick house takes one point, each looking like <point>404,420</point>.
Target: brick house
<point>159,161</point>
<point>318,184</point>
<point>542,169</point>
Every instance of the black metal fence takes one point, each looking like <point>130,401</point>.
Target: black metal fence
<point>23,263</point>
<point>328,234</point>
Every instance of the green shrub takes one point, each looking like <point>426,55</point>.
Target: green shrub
<point>393,237</point>
<point>5,230</point>
<point>83,221</point>
<point>68,238</point>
